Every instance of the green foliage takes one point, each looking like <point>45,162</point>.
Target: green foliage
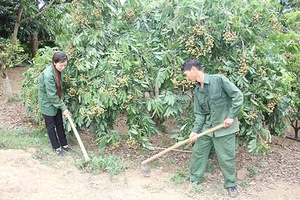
<point>7,17</point>
<point>125,60</point>
<point>6,49</point>
<point>108,139</point>
<point>292,55</point>
<point>97,164</point>
<point>30,84</point>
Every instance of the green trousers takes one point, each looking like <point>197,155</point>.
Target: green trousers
<point>225,151</point>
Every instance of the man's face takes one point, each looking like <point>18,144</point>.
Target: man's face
<point>60,66</point>
<point>191,74</point>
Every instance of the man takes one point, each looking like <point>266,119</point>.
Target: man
<point>217,101</point>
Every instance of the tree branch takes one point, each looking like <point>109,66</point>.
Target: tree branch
<point>38,14</point>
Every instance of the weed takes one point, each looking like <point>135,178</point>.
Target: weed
<point>253,170</point>
<point>178,178</point>
<point>109,164</point>
<point>221,188</point>
<point>261,164</point>
<point>155,164</point>
<point>245,183</point>
<point>198,187</point>
<point>171,161</point>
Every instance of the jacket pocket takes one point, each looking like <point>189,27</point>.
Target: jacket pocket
<point>218,100</point>
<point>204,106</point>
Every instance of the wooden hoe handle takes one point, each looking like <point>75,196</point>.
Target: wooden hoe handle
<point>180,144</point>
<point>86,157</point>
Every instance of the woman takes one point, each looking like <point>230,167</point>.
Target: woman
<point>51,104</point>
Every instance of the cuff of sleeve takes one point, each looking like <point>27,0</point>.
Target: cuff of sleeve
<point>195,130</point>
<point>63,108</point>
<point>232,116</point>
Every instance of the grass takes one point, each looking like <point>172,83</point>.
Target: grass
<point>38,139</point>
<point>22,139</point>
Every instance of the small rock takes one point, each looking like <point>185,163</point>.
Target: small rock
<point>242,173</point>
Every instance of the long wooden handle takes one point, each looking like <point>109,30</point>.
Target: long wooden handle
<point>86,157</point>
<point>180,144</point>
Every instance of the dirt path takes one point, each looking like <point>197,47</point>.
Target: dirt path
<point>23,177</point>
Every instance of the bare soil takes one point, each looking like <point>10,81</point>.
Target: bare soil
<point>275,176</point>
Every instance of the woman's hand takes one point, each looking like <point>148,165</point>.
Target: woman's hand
<point>67,113</point>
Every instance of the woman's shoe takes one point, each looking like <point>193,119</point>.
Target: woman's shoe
<point>67,149</point>
<point>59,152</point>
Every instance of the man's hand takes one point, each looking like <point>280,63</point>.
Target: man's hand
<point>67,113</point>
<point>227,122</point>
<point>192,137</point>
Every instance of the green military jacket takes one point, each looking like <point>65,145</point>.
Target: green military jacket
<point>217,100</point>
<point>48,98</point>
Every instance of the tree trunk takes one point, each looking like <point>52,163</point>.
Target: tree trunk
<point>6,85</point>
<point>5,79</point>
<point>34,43</point>
<point>16,28</point>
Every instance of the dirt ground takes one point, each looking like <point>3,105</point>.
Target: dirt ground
<point>23,177</point>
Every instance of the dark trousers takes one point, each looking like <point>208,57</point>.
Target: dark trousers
<point>55,130</point>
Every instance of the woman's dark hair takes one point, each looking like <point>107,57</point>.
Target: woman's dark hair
<point>188,64</point>
<point>58,57</point>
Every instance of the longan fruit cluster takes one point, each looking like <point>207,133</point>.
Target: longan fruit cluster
<point>129,14</point>
<point>184,83</point>
<point>72,92</point>
<point>78,19</point>
<point>112,91</point>
<point>271,106</point>
<point>125,107</point>
<point>84,77</point>
<point>170,5</point>
<point>277,27</point>
<point>132,143</point>
<point>262,71</point>
<point>97,12</point>
<point>229,36</point>
<point>129,97</point>
<point>139,74</point>
<point>70,50</point>
<point>243,67</point>
<point>115,145</point>
<point>122,80</point>
<point>192,48</point>
<point>175,82</point>
<point>288,55</point>
<point>220,70</point>
<point>253,115</point>
<point>77,2</point>
<point>190,42</point>
<point>66,78</point>
<point>198,30</point>
<point>256,17</point>
<point>209,42</point>
<point>97,110</point>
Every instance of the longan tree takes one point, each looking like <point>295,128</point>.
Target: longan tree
<point>126,60</point>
